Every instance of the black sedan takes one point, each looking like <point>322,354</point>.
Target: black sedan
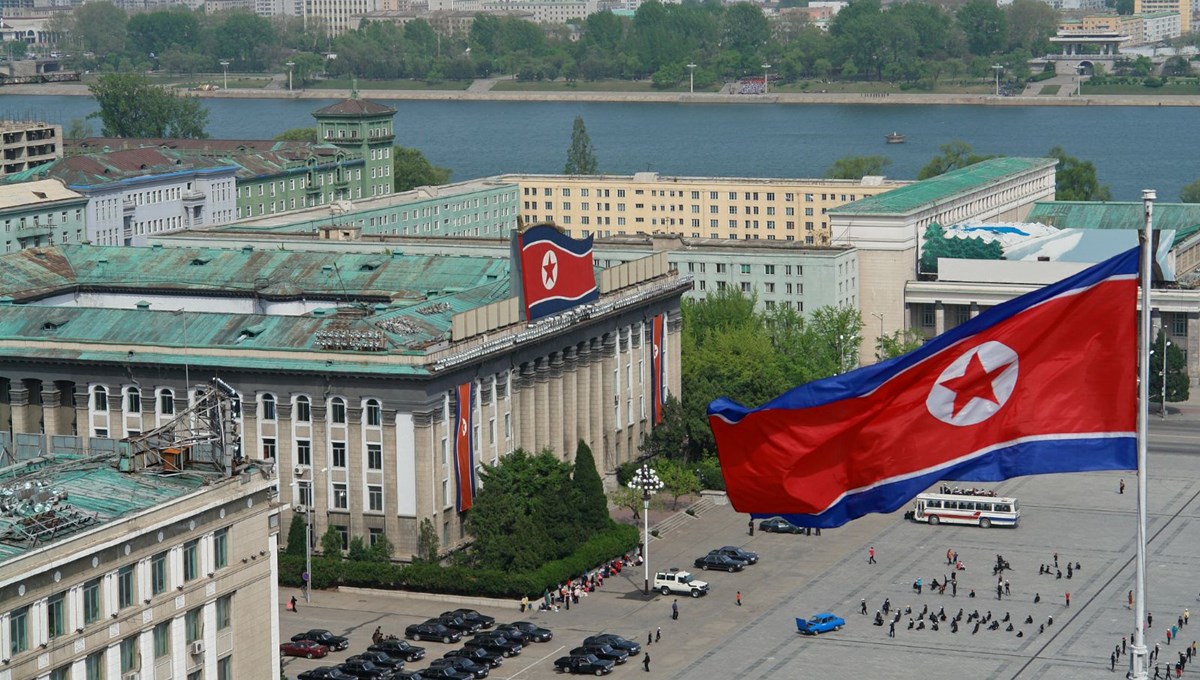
<point>535,632</point>
<point>381,659</point>
<point>734,552</point>
<point>605,652</point>
<point>715,561</point>
<point>398,649</point>
<point>615,641</point>
<point>444,673</point>
<point>511,632</point>
<point>475,670</point>
<point>497,644</point>
<point>365,670</point>
<point>483,620</point>
<point>454,622</point>
<point>778,525</point>
<point>476,654</point>
<point>325,673</point>
<point>583,664</point>
<point>432,631</point>
<point>335,643</point>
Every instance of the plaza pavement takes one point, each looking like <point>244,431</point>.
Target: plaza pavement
<point>1080,516</point>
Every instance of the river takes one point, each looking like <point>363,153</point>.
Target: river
<point>1132,147</point>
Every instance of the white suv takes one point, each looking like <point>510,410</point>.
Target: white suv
<point>679,582</point>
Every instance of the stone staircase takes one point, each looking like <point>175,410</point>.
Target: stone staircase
<point>682,517</point>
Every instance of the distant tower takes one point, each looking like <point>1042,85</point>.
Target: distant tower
<point>363,127</point>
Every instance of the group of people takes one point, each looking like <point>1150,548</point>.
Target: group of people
<point>570,592</point>
<point>935,621</point>
<point>969,491</point>
<point>752,86</point>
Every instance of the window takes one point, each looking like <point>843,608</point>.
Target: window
<point>225,668</point>
<point>191,560</point>
<point>341,500</point>
<point>374,413</point>
<point>374,456</point>
<point>166,402</point>
<point>303,452</point>
<point>344,533</point>
<point>1179,325</point>
<point>100,399</point>
<point>221,548</point>
<point>339,454</point>
<point>56,621</point>
<point>18,629</point>
<point>125,587</point>
<point>93,666</point>
<point>268,407</point>
<point>927,316</point>
<point>162,639</point>
<point>303,410</point>
<point>158,574</point>
<point>745,269</point>
<point>224,612</point>
<point>129,655</point>
<point>61,673</point>
<point>375,498</point>
<point>304,494</point>
<point>269,448</point>
<point>193,625</point>
<point>338,412</point>
<point>91,601</point>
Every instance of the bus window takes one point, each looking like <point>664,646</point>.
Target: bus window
<point>1003,507</point>
<point>933,503</point>
<point>951,505</point>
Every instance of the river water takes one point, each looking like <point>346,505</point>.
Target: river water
<point>1132,147</point>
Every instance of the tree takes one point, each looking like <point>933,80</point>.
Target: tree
<point>581,158</point>
<point>899,342</point>
<point>668,439</point>
<point>358,551</point>
<point>625,497</point>
<point>331,543</point>
<point>300,134</point>
<point>382,549</point>
<point>410,169</point>
<point>593,504</point>
<point>857,167</point>
<point>428,544</point>
<point>1177,379</point>
<point>100,27</point>
<point>955,155</point>
<point>678,480</point>
<point>297,530</point>
<point>156,32</point>
<point>14,49</point>
<point>77,129</point>
<point>984,25</point>
<point>130,106</point>
<point>1190,193</point>
<point>1031,23</point>
<point>1075,179</point>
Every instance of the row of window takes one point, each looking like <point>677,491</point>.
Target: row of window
<point>267,406</point>
<point>41,221</point>
<point>694,194</point>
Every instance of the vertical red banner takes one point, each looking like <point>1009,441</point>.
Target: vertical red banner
<point>657,390</point>
<point>464,456</point>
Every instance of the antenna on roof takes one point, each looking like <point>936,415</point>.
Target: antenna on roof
<point>354,87</point>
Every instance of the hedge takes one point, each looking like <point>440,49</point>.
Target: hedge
<point>329,572</point>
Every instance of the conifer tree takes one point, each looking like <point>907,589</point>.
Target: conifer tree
<point>581,158</point>
<point>593,503</point>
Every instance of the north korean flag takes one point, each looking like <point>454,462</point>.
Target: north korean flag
<point>557,271</point>
<point>1043,383</point>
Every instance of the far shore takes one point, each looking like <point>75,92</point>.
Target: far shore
<point>890,99</point>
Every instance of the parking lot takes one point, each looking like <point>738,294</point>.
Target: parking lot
<point>1082,517</point>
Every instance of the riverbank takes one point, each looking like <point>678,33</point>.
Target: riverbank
<point>899,99</point>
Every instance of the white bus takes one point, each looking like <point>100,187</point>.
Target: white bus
<point>983,511</point>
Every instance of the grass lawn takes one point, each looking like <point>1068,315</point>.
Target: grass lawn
<point>391,85</point>
<point>1172,89</point>
<point>1051,90</point>
<point>589,86</point>
<point>876,87</point>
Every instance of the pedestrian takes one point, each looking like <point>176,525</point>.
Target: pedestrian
<point>1156,675</point>
<point>1112,662</point>
<point>1121,488</point>
<point>292,604</point>
<point>949,556</point>
<point>1186,614</point>
<point>1007,588</point>
<point>658,634</point>
<point>999,591</point>
<point>1068,599</point>
<point>871,556</point>
<point>1168,636</point>
<point>1055,560</point>
<point>1122,644</point>
<point>739,601</point>
<point>675,610</point>
<point>646,661</point>
<point>1180,621</point>
<point>524,603</point>
<point>863,603</point>
<point>1131,599</point>
<point>751,526</point>
<point>917,585</point>
<point>649,638</point>
<point>954,588</point>
<point>892,629</point>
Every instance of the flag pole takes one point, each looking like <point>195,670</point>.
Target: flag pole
<point>1138,668</point>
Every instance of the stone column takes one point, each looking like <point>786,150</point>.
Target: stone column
<point>583,385</point>
<point>83,426</point>
<point>597,406</point>
<point>608,352</point>
<point>51,403</point>
<point>939,318</point>
<point>570,416</point>
<point>322,458</point>
<point>356,463</point>
<point>555,385</point>
<point>541,403</point>
<point>18,398</point>
<point>527,434</point>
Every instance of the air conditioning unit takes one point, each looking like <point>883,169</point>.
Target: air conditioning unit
<point>300,470</point>
<point>299,509</point>
<point>198,647</point>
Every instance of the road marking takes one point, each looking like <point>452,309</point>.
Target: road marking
<point>556,651</point>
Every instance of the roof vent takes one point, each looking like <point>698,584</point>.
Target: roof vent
<point>247,249</point>
<point>103,260</point>
<point>142,304</point>
<point>255,330</point>
<point>201,261</point>
<point>328,269</point>
<point>370,266</point>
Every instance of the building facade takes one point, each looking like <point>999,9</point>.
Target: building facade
<point>1181,7</point>
<point>24,145</point>
<point>41,213</point>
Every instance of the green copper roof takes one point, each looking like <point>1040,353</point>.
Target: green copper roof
<point>1184,218</point>
<point>913,197</point>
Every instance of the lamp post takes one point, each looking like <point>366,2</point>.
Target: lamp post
<point>844,343</point>
<point>1165,345</point>
<point>1079,80</point>
<point>290,64</point>
<point>646,480</point>
<point>766,72</point>
<point>880,317</point>
<point>691,78</point>
<point>998,69</point>
<point>225,68</point>
<point>309,508</point>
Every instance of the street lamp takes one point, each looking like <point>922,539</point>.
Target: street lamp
<point>691,78</point>
<point>309,508</point>
<point>290,64</point>
<point>225,68</point>
<point>1164,372</point>
<point>845,342</point>
<point>880,317</point>
<point>998,69</point>
<point>646,480</point>
<point>1079,80</point>
<point>766,71</point>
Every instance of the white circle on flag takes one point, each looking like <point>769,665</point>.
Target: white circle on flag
<point>975,386</point>
<point>549,270</point>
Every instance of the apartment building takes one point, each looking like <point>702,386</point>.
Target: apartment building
<point>1181,7</point>
<point>40,214</point>
<point>24,145</point>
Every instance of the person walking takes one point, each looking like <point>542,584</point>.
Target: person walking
<point>1121,488</point>
<point>649,639</point>
<point>739,601</point>
<point>1068,599</point>
<point>1112,662</point>
<point>892,629</point>
<point>658,634</point>
<point>646,661</point>
<point>292,604</point>
<point>871,555</point>
<point>862,605</point>
<point>675,610</point>
<point>751,526</point>
<point>1186,615</point>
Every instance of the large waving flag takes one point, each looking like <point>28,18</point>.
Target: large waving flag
<point>1043,383</point>
<point>557,271</point>
<point>464,446</point>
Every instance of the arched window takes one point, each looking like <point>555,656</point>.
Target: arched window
<point>374,413</point>
<point>303,410</point>
<point>133,400</point>
<point>100,398</point>
<point>166,402</point>
<point>337,411</point>
<point>267,407</point>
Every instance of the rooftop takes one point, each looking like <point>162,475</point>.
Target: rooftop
<point>919,195</point>
<point>1184,218</point>
<point>114,166</point>
<point>355,107</point>
<point>33,194</point>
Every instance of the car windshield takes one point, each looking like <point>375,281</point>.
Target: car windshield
<point>685,579</point>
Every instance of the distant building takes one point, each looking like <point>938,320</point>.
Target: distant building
<point>337,16</point>
<point>41,213</point>
<point>24,145</point>
<point>1181,7</point>
<point>1143,29</point>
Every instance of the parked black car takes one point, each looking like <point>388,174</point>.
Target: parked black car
<point>497,644</point>
<point>408,675</point>
<point>615,641</point>
<point>432,631</point>
<point>444,673</point>
<point>365,670</point>
<point>535,632</point>
<point>455,622</point>
<point>483,620</point>
<point>715,561</point>
<point>325,673</point>
<point>476,654</point>
<point>583,664</point>
<point>778,525</point>
<point>511,632</point>
<point>398,649</point>
<point>605,652</point>
<point>335,643</point>
<point>458,663</point>
<point>381,659</point>
<point>734,552</point>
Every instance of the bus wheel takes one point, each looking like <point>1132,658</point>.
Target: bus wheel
<point>933,520</point>
<point>985,523</point>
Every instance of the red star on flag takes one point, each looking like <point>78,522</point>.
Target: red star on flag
<point>974,383</point>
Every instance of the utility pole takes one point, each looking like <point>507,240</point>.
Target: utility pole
<point>691,78</point>
<point>998,69</point>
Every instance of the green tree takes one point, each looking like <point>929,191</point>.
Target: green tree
<point>857,167</point>
<point>78,128</point>
<point>593,504</point>
<point>955,155</point>
<point>1124,7</point>
<point>297,530</point>
<point>358,551</point>
<point>428,545</point>
<point>300,134</point>
<point>331,543</point>
<point>581,157</point>
<point>625,497</point>
<point>1177,379</point>
<point>410,169</point>
<point>1031,23</point>
<point>130,106</point>
<point>899,342</point>
<point>678,480</point>
<point>382,549</point>
<point>1075,179</point>
<point>668,439</point>
<point>156,32</point>
<point>984,25</point>
<point>14,49</point>
<point>245,38</point>
<point>99,27</point>
<point>1190,192</point>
